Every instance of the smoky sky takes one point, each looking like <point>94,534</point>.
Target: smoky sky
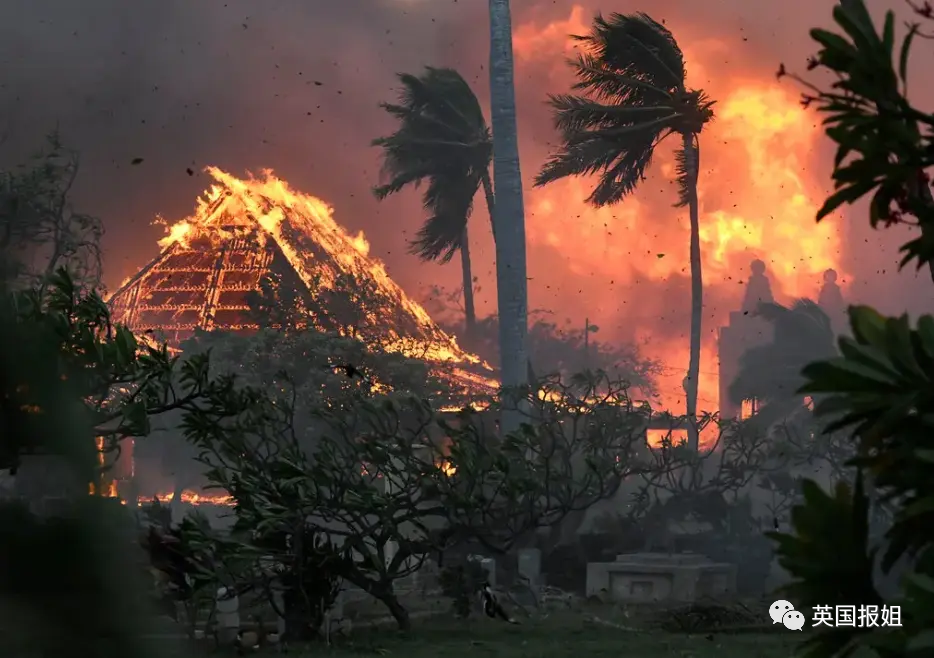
<point>294,85</point>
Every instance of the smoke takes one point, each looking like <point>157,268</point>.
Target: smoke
<point>295,86</point>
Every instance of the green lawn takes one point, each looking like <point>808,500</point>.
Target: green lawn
<point>557,636</point>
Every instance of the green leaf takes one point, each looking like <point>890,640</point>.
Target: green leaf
<point>868,325</point>
<point>841,376</point>
<point>833,42</point>
<point>905,51</point>
<point>899,346</point>
<point>888,33</point>
<point>925,333</point>
<point>846,195</point>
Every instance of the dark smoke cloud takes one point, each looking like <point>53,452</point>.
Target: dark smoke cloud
<point>235,84</point>
<point>293,86</point>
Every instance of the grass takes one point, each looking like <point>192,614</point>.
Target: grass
<point>557,636</point>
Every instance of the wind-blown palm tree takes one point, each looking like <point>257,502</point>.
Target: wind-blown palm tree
<point>442,140</point>
<point>771,373</point>
<point>509,214</point>
<point>631,76</point>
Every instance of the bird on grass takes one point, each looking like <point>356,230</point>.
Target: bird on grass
<point>492,608</point>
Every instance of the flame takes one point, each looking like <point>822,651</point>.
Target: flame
<point>233,207</point>
<point>109,490</point>
<point>759,189</point>
<point>656,437</point>
<point>191,498</point>
<point>106,487</point>
<point>446,467</point>
<point>180,232</point>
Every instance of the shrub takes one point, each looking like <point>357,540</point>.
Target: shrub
<point>460,583</point>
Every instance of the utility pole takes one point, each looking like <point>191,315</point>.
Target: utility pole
<point>587,343</point>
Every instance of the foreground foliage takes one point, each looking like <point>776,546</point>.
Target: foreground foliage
<point>884,142</point>
<point>70,379</point>
<point>71,362</point>
<point>382,485</point>
<point>880,389</point>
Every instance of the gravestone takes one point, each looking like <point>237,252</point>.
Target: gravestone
<point>228,616</point>
<point>389,551</point>
<point>650,577</point>
<point>530,567</point>
<point>488,565</point>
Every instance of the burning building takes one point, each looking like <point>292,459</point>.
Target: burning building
<point>251,237</point>
<point>246,234</point>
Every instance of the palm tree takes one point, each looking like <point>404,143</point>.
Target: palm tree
<point>631,76</point>
<point>509,216</point>
<point>771,373</point>
<point>443,140</point>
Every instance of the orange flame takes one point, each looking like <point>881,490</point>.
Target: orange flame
<point>191,498</point>
<point>235,206</point>
<point>447,467</point>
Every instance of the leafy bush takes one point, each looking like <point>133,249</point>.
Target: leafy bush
<point>307,575</point>
<point>389,481</point>
<point>460,583</point>
<point>880,390</point>
<point>184,570</point>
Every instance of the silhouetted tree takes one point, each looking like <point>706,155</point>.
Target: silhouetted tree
<point>442,139</point>
<point>631,76</point>
<point>39,231</point>
<point>772,373</point>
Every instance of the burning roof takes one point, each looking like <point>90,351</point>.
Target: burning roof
<point>245,232</point>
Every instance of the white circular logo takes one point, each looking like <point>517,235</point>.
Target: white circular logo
<point>778,609</point>
<point>793,620</point>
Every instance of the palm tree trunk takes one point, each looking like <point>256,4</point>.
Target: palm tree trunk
<point>692,158</point>
<point>490,205</point>
<point>509,218</point>
<point>470,315</point>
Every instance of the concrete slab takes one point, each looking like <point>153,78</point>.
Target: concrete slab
<point>650,577</point>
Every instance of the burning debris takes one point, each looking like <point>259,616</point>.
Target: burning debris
<point>188,497</point>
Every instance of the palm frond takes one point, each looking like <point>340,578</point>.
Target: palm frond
<point>638,46</point>
<point>623,87</point>
<point>621,161</point>
<point>448,200</point>
<point>442,140</point>
<point>631,79</point>
<point>577,113</point>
